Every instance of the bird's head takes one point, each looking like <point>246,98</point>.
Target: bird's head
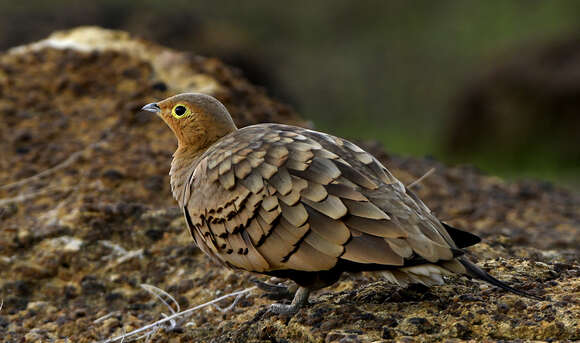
<point>198,120</point>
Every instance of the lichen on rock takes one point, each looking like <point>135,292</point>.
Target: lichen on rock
<point>86,216</point>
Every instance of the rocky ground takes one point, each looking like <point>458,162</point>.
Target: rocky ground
<point>86,218</point>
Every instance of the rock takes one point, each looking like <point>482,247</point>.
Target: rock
<point>340,336</point>
<point>95,219</point>
<point>66,244</point>
<point>33,271</point>
<point>91,285</point>
<point>415,326</point>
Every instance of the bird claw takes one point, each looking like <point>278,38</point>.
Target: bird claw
<point>275,291</point>
<point>300,299</point>
<point>284,309</point>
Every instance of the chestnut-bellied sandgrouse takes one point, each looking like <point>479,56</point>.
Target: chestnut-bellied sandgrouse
<point>295,203</point>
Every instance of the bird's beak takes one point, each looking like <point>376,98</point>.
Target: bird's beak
<point>152,107</point>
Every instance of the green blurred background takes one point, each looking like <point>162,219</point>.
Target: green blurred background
<point>493,83</point>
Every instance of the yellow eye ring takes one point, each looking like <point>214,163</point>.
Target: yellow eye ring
<point>180,111</point>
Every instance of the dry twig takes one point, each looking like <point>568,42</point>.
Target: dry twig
<point>70,160</point>
<point>27,196</point>
<point>419,180</point>
<point>150,329</point>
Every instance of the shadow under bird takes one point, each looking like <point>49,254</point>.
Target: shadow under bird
<point>300,204</point>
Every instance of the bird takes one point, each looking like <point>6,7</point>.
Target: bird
<point>299,204</point>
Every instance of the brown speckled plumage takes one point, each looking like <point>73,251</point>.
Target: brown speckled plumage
<point>287,201</point>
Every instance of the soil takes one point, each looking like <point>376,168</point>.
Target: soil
<point>86,217</point>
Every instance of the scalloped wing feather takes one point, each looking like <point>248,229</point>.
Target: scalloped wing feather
<point>273,197</point>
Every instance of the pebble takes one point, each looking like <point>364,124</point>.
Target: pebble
<point>34,271</point>
<point>66,243</point>
<point>414,326</point>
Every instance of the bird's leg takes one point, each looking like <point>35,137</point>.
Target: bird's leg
<point>300,299</point>
<point>276,290</point>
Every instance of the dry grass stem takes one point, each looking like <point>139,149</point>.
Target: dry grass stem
<point>70,160</point>
<point>419,180</point>
<point>27,196</point>
<point>106,316</point>
<point>159,293</point>
<point>150,329</point>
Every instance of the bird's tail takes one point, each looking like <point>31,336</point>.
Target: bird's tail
<point>479,273</point>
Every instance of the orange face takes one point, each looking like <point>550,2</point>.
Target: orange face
<point>197,120</point>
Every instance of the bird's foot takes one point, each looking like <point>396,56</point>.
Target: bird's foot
<point>300,299</point>
<point>276,291</point>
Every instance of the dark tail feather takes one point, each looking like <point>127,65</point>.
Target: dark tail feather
<point>478,273</point>
<point>462,239</point>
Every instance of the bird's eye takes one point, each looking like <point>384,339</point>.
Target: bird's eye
<point>179,111</point>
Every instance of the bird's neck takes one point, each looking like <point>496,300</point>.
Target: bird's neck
<point>184,162</point>
<point>190,148</point>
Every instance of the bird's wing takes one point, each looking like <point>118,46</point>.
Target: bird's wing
<point>274,197</point>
